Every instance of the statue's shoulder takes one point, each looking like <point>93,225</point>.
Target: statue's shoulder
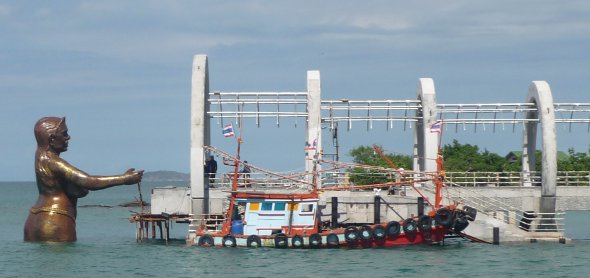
<point>53,161</point>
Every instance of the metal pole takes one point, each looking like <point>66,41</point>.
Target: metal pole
<point>377,210</point>
<point>496,232</point>
<point>334,222</point>
<point>420,206</point>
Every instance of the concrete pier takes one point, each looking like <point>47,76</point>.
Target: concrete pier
<point>424,111</point>
<point>358,207</point>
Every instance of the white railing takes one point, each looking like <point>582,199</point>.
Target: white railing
<point>477,179</point>
<point>470,179</point>
<point>258,180</point>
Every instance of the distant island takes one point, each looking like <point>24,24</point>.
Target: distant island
<point>165,176</point>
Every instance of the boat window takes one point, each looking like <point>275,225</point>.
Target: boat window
<point>279,206</point>
<point>266,206</point>
<point>254,206</point>
<point>307,208</point>
<point>294,208</point>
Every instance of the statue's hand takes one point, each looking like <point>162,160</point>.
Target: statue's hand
<point>132,176</point>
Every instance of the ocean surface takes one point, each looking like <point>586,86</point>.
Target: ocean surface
<point>106,247</point>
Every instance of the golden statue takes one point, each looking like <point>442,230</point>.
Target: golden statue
<point>53,217</point>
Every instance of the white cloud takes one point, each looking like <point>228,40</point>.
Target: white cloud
<point>129,30</point>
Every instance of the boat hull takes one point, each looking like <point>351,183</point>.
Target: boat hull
<point>327,239</point>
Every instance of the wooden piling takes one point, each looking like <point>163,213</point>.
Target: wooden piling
<point>167,224</point>
<point>153,230</point>
<point>160,228</point>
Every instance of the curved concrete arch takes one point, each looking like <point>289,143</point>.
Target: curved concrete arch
<point>425,142</point>
<point>540,94</point>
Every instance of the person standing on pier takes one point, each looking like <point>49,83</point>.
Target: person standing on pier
<point>246,173</point>
<point>211,169</point>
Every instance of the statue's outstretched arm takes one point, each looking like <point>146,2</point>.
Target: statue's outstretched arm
<point>80,178</point>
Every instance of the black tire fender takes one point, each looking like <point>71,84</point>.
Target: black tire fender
<point>366,232</point>
<point>315,240</point>
<point>444,217</point>
<point>228,241</point>
<point>297,241</point>
<point>281,241</point>
<point>351,234</point>
<point>332,240</point>
<point>253,241</point>
<point>460,224</point>
<point>206,240</point>
<point>393,229</point>
<point>410,226</point>
<point>470,212</point>
<point>378,232</point>
<point>425,223</point>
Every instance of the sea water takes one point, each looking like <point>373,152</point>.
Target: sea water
<point>106,247</point>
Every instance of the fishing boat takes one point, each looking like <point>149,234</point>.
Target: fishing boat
<point>262,218</point>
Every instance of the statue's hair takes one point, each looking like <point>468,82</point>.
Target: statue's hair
<point>46,127</point>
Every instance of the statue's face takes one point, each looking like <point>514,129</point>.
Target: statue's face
<point>59,140</point>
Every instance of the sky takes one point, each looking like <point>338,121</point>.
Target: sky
<point>120,71</point>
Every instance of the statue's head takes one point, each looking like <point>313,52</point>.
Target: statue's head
<point>52,133</point>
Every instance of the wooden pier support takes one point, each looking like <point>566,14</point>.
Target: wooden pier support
<point>160,227</point>
<point>144,221</point>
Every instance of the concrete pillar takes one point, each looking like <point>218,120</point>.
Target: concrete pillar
<point>425,142</point>
<point>200,135</point>
<point>540,94</point>
<point>313,137</point>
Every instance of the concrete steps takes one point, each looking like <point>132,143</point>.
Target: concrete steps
<point>483,226</point>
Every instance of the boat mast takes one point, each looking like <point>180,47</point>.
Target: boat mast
<point>439,179</point>
<point>314,179</point>
<point>440,172</point>
<point>378,149</point>
<point>234,186</point>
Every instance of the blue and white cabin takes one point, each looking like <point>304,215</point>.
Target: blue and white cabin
<point>272,216</point>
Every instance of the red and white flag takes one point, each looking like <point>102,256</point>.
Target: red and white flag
<point>436,127</point>
<point>228,130</point>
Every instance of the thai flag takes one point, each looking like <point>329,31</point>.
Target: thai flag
<point>228,130</point>
<point>436,127</point>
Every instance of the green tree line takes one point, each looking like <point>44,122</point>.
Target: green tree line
<point>461,158</point>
